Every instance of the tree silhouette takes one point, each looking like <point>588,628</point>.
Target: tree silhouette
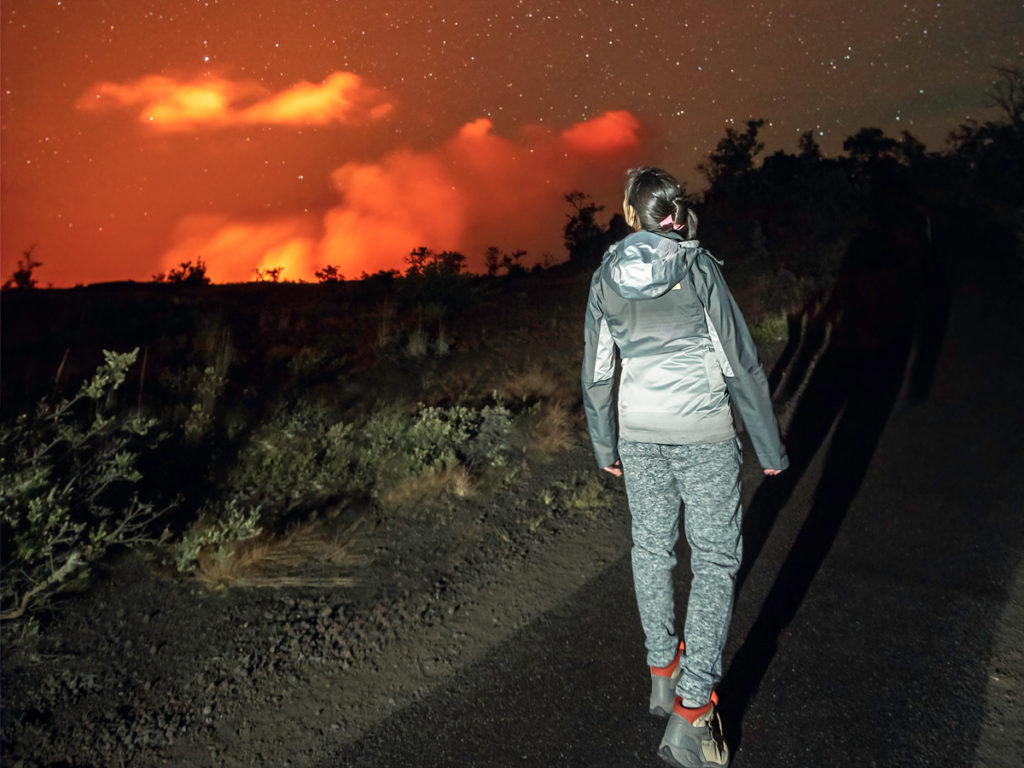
<point>423,262</point>
<point>185,273</point>
<point>269,275</point>
<point>1007,94</point>
<point>733,155</point>
<point>869,145</point>
<point>810,151</point>
<point>510,261</point>
<point>911,150</point>
<point>994,151</point>
<point>329,274</point>
<point>450,263</point>
<point>492,261</point>
<point>22,278</point>
<point>585,240</point>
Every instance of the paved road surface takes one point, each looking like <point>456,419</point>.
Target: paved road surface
<point>876,576</point>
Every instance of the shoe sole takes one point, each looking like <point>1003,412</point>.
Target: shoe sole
<point>666,754</point>
<point>660,713</point>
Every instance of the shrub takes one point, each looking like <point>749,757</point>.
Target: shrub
<point>301,458</point>
<point>385,323</point>
<point>443,343</point>
<point>200,417</point>
<point>770,329</point>
<point>297,458</point>
<point>329,274</point>
<point>185,273</point>
<point>215,532</point>
<point>68,489</point>
<point>418,345</point>
<point>396,446</point>
<point>23,278</point>
<point>582,493</point>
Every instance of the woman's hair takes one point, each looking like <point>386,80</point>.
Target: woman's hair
<point>656,195</point>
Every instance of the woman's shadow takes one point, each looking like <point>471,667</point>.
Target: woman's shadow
<point>880,330</point>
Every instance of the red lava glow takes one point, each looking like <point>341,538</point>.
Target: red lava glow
<point>475,190</point>
<point>233,251</point>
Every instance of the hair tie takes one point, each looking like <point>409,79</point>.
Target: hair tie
<point>669,220</point>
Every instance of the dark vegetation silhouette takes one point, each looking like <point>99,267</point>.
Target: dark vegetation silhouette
<point>733,155</point>
<point>269,274</point>
<point>802,235</point>
<point>186,273</point>
<point>585,239</point>
<point>329,274</point>
<point>495,260</point>
<point>22,278</point>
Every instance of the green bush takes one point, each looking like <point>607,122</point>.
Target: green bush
<point>200,417</point>
<point>302,458</point>
<point>578,494</point>
<point>397,446</point>
<point>216,530</point>
<point>68,491</point>
<point>298,457</point>
<point>769,329</point>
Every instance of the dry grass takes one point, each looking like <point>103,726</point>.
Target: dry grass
<point>471,379</point>
<point>418,344</point>
<point>284,561</point>
<point>535,382</point>
<point>443,343</point>
<point>455,481</point>
<point>385,324</point>
<point>553,432</point>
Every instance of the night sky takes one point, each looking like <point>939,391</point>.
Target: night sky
<point>138,134</point>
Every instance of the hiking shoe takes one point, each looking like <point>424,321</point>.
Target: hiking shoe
<point>693,738</point>
<point>663,686</point>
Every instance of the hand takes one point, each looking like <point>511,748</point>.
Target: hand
<point>614,469</point>
<point>773,472</point>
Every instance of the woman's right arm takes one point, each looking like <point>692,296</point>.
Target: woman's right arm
<point>598,380</point>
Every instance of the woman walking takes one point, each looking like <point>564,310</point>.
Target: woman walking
<point>686,358</point>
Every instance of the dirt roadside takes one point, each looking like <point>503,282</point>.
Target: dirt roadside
<point>152,669</point>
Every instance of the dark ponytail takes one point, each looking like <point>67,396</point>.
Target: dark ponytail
<point>657,198</point>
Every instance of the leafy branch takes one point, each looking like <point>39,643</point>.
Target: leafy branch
<point>67,489</point>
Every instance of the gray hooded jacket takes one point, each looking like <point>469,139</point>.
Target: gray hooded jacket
<point>686,354</point>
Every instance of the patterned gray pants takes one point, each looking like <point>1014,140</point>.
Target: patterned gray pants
<point>705,477</point>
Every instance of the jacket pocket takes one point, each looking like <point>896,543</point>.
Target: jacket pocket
<point>713,371</point>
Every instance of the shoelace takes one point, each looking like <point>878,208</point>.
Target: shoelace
<point>717,737</point>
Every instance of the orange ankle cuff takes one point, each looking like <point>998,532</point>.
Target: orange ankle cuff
<point>668,669</point>
<point>690,713</point>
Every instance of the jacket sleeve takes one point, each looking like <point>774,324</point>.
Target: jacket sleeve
<point>747,384</point>
<point>598,380</point>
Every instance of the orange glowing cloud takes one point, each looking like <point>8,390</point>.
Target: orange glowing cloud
<point>475,190</point>
<point>611,132</point>
<point>342,97</point>
<point>172,105</point>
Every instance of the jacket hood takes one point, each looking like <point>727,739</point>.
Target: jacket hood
<point>645,265</point>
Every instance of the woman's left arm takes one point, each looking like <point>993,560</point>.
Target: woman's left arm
<point>747,384</point>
